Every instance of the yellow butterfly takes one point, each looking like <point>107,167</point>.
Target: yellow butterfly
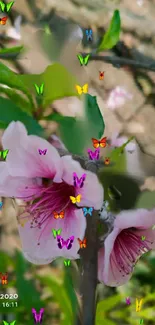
<point>139,304</point>
<point>75,199</point>
<point>83,89</point>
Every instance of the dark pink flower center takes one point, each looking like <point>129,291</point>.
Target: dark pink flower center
<point>54,197</point>
<point>128,247</point>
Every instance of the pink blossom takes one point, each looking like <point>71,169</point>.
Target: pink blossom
<point>117,98</point>
<point>118,141</point>
<point>45,183</point>
<point>124,245</point>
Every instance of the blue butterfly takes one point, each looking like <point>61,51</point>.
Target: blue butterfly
<point>89,34</point>
<point>87,211</point>
<point>1,204</point>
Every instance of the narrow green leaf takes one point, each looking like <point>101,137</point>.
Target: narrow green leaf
<point>11,52</point>
<point>146,200</point>
<point>13,80</point>
<point>17,99</point>
<point>11,112</point>
<point>58,83</point>
<point>112,35</point>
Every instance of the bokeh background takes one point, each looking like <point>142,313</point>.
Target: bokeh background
<point>50,31</point>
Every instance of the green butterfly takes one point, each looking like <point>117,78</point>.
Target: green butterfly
<point>40,89</point>
<point>67,262</point>
<point>83,60</point>
<point>6,323</point>
<point>6,7</point>
<point>56,232</point>
<point>141,322</point>
<point>3,154</point>
<point>143,238</point>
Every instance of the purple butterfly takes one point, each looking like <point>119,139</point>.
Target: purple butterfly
<point>128,302</point>
<point>68,243</point>
<point>42,152</point>
<point>79,182</point>
<point>94,155</point>
<point>38,317</point>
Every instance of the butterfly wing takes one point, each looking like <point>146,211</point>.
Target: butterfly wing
<point>34,313</point>
<point>54,233</point>
<point>84,243</point>
<point>85,211</point>
<point>79,89</point>
<point>44,152</point>
<point>3,20</point>
<point>82,179</point>
<point>75,179</point>
<point>73,199</point>
<point>96,143</point>
<point>61,215</point>
<point>40,151</point>
<point>69,242</point>
<point>103,142</point>
<point>91,154</point>
<point>86,59</point>
<point>1,204</point>
<point>40,315</point>
<point>5,153</point>
<point>65,263</point>
<point>37,89</point>
<point>80,242</point>
<point>78,198</point>
<point>5,323</point>
<point>13,323</point>
<point>137,305</point>
<point>60,241</point>
<point>56,215</point>
<point>80,57</point>
<point>59,231</point>
<point>9,5</point>
<point>2,6</point>
<point>42,88</point>
<point>90,210</point>
<point>85,88</point>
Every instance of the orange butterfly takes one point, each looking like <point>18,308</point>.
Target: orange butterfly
<point>3,20</point>
<point>59,215</point>
<point>99,143</point>
<point>83,244</point>
<point>107,161</point>
<point>101,75</point>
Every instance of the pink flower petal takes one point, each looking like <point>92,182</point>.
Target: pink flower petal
<point>12,186</point>
<point>23,158</point>
<point>124,246</point>
<point>91,192</point>
<point>47,251</point>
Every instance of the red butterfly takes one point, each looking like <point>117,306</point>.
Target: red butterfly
<point>83,244</point>
<point>101,75</point>
<point>107,161</point>
<point>59,215</point>
<point>3,20</point>
<point>99,143</point>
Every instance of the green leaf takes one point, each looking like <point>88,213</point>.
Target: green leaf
<point>24,286</point>
<point>11,112</point>
<point>59,294</point>
<point>104,306</point>
<point>58,83</point>
<point>11,53</point>
<point>17,99</point>
<point>12,80</point>
<point>68,285</point>
<point>76,133</point>
<point>5,262</point>
<point>111,37</point>
<point>146,200</point>
<point>128,187</point>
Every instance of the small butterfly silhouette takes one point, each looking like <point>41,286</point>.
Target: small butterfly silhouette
<point>4,153</point>
<point>6,7</point>
<point>78,182</point>
<point>143,238</point>
<point>38,317</point>
<point>101,75</point>
<point>99,143</point>
<point>59,215</point>
<point>128,302</point>
<point>1,204</point>
<point>40,89</point>
<point>87,211</point>
<point>94,155</point>
<point>42,152</point>
<point>67,262</point>
<point>56,232</point>
<point>76,199</point>
<point>89,34</point>
<point>83,60</point>
<point>68,243</point>
<point>107,161</point>
<point>3,20</point>
<point>139,304</point>
<point>83,244</point>
<point>81,90</point>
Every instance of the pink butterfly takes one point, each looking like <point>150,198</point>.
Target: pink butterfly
<point>42,152</point>
<point>128,302</point>
<point>94,155</point>
<point>38,317</point>
<point>79,182</point>
<point>68,243</point>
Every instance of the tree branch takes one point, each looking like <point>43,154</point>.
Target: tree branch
<point>119,62</point>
